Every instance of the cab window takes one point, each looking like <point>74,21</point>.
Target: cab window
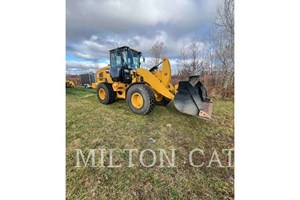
<point>115,59</point>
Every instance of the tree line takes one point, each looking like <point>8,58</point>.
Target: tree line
<point>213,60</point>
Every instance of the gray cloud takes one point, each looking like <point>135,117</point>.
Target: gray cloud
<point>95,26</point>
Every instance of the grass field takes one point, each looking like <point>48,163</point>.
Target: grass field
<point>91,125</point>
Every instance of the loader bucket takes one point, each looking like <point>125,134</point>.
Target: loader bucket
<point>192,98</point>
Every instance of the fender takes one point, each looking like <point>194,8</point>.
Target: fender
<point>155,84</point>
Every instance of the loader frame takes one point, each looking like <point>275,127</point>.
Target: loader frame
<point>189,97</point>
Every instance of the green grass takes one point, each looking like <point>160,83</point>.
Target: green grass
<point>91,125</point>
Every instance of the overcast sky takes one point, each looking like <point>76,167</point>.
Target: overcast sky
<point>96,26</point>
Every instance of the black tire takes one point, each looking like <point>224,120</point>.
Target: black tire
<point>163,102</point>
<point>110,95</point>
<point>147,95</point>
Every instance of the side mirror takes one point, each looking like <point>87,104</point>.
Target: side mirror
<point>143,59</point>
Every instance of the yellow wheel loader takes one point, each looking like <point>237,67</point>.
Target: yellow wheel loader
<point>143,89</point>
<point>70,84</point>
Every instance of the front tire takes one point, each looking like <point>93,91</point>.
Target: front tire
<point>140,99</point>
<point>105,93</point>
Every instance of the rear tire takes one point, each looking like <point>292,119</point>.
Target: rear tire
<point>140,99</point>
<point>105,93</point>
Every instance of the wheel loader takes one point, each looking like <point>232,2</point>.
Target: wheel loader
<point>123,78</point>
<point>70,84</point>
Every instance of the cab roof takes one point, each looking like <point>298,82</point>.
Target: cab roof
<point>124,47</point>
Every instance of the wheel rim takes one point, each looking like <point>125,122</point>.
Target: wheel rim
<point>137,100</point>
<point>102,94</point>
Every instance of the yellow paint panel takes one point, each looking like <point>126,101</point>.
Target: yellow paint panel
<point>103,75</point>
<point>166,72</point>
<point>154,83</point>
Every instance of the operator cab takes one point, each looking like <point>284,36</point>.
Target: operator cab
<point>122,61</point>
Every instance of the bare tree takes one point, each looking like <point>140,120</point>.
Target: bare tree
<point>222,40</point>
<point>214,61</point>
<point>157,51</point>
<point>224,20</point>
<point>95,64</point>
<point>191,60</point>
